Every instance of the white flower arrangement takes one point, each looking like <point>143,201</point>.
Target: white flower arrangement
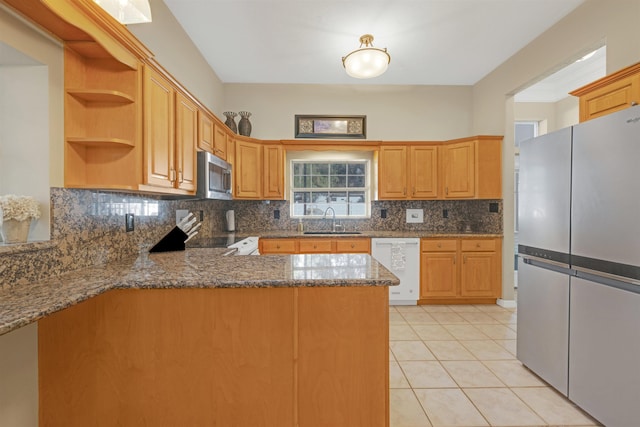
<point>19,208</point>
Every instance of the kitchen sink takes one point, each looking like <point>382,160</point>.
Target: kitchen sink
<point>332,232</point>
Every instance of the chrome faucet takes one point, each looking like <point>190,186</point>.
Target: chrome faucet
<point>333,221</point>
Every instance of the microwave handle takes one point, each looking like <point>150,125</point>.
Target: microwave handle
<point>226,181</point>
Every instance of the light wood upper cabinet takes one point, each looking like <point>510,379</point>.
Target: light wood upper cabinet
<point>220,141</point>
<point>186,139</point>
<point>159,130</point>
<point>408,172</point>
<point>423,172</point>
<point>609,94</point>
<point>170,137</point>
<point>248,170</point>
<point>392,172</point>
<point>273,172</point>
<point>205,131</point>
<point>458,167</point>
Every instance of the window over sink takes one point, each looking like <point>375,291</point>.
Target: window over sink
<point>318,184</point>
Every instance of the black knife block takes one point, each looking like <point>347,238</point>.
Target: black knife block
<point>173,241</point>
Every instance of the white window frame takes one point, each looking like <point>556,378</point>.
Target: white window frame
<point>331,157</point>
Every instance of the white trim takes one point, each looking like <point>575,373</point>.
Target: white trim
<point>506,303</point>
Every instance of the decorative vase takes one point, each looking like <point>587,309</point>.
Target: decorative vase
<point>231,122</point>
<point>14,231</point>
<point>244,125</point>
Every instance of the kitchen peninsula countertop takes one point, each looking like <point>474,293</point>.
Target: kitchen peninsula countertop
<point>193,268</point>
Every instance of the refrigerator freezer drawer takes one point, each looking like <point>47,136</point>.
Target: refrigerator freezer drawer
<point>604,377</point>
<point>543,323</point>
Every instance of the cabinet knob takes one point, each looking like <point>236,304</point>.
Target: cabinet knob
<point>477,245</point>
<point>277,246</point>
<point>633,103</point>
<point>439,245</point>
<point>353,246</point>
<point>315,247</point>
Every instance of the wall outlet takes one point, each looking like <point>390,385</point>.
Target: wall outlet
<point>276,214</point>
<point>383,213</point>
<point>415,216</point>
<point>201,214</point>
<point>445,213</point>
<point>180,214</point>
<point>493,207</point>
<point>129,222</point>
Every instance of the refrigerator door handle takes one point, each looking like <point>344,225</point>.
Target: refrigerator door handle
<point>597,273</point>
<point>536,261</point>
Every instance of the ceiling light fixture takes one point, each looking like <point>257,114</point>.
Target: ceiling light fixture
<point>127,11</point>
<point>368,61</point>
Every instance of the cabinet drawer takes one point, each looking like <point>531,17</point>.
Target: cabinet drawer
<point>353,246</point>
<point>478,245</point>
<point>309,246</point>
<point>439,245</point>
<point>277,246</point>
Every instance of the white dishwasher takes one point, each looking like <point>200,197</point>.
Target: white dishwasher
<point>402,257</point>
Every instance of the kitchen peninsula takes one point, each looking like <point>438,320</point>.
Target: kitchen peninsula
<point>195,338</point>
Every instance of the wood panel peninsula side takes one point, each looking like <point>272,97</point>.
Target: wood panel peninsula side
<point>283,349</point>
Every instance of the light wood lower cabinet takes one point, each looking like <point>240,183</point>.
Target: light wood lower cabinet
<point>458,271</point>
<point>218,357</point>
<point>317,245</point>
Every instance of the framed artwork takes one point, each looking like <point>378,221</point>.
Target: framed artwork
<point>333,127</point>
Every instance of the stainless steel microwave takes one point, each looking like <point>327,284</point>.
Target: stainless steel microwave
<point>214,177</point>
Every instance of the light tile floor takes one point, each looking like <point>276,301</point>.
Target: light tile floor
<point>456,366</point>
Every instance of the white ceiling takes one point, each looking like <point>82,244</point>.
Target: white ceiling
<point>431,42</point>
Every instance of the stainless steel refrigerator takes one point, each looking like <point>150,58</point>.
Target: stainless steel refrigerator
<point>579,264</point>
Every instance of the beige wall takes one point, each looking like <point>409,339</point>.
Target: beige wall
<point>176,52</point>
<point>591,25</point>
<point>554,115</point>
<point>393,112</point>
<point>25,38</point>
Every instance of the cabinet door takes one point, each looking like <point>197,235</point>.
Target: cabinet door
<point>353,246</point>
<point>186,138</point>
<point>158,130</point>
<point>248,170</point>
<point>611,98</point>
<point>458,165</point>
<point>315,246</point>
<point>392,172</point>
<point>205,131</point>
<point>277,246</point>
<point>424,172</point>
<point>273,188</point>
<point>220,141</point>
<point>478,274</point>
<point>438,274</point>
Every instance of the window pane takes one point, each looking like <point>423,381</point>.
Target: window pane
<point>357,169</point>
<point>301,197</point>
<point>359,209</point>
<point>338,196</point>
<point>319,197</point>
<point>319,181</point>
<point>338,169</point>
<point>356,197</point>
<point>298,168</point>
<point>356,181</point>
<point>320,169</point>
<point>338,181</point>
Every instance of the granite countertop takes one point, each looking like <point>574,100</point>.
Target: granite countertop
<point>193,268</point>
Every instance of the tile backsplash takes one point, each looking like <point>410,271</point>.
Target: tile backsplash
<point>88,227</point>
<point>462,216</point>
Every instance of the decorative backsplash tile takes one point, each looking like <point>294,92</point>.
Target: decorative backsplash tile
<point>462,216</point>
<point>88,227</point>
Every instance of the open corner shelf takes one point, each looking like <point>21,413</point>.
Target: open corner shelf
<point>101,142</point>
<point>97,95</point>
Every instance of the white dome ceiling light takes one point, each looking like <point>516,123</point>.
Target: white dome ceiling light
<point>127,11</point>
<point>368,61</point>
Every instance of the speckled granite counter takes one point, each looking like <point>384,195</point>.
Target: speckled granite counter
<point>193,268</point>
